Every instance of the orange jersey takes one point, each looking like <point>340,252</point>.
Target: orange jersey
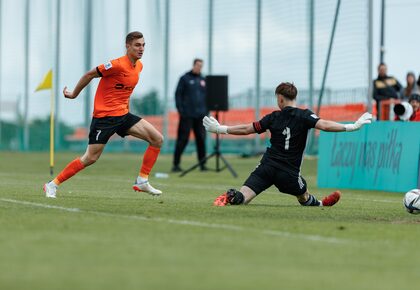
<point>119,78</point>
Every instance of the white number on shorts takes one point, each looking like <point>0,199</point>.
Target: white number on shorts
<point>97,135</point>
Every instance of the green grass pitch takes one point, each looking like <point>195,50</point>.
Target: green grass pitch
<point>99,234</point>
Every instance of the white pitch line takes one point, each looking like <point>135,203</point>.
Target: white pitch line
<point>376,200</point>
<point>40,205</point>
<point>315,238</point>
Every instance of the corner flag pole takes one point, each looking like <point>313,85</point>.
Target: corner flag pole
<point>47,84</point>
<point>52,133</point>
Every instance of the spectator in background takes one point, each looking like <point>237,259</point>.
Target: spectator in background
<point>418,83</point>
<point>385,87</point>
<point>411,87</point>
<point>408,111</point>
<point>414,101</point>
<point>190,99</point>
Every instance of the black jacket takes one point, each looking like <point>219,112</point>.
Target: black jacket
<point>190,96</point>
<point>385,88</point>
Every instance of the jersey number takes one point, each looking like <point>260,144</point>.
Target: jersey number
<point>286,132</point>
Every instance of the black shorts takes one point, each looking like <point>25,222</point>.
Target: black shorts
<point>101,129</point>
<point>265,176</point>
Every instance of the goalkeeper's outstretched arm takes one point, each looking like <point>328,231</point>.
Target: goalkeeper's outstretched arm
<point>331,126</point>
<point>243,129</point>
<point>212,125</point>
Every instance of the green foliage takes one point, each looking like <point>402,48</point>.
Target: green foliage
<point>149,104</point>
<point>9,138</point>
<point>39,134</point>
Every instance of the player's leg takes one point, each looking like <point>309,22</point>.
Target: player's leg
<point>184,128</point>
<point>200,140</point>
<point>101,129</point>
<point>92,154</point>
<point>298,187</point>
<point>258,181</point>
<point>307,199</point>
<point>235,197</point>
<point>146,131</point>
<point>294,184</point>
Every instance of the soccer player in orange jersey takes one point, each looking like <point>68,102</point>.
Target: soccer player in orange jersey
<point>111,115</point>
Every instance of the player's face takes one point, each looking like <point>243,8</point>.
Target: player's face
<point>135,49</point>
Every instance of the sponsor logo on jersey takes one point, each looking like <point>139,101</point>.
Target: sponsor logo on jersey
<point>123,87</point>
<point>108,65</point>
<point>314,116</point>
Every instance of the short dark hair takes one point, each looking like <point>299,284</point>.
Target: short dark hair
<point>381,64</point>
<point>287,90</point>
<point>132,36</point>
<point>197,60</point>
<point>414,97</point>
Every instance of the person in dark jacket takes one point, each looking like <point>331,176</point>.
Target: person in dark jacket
<point>190,99</point>
<point>385,87</point>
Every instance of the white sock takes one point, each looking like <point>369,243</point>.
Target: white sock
<point>53,183</point>
<point>141,179</point>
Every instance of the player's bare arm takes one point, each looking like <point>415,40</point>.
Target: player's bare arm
<point>212,125</point>
<point>243,129</point>
<point>331,126</point>
<point>83,82</point>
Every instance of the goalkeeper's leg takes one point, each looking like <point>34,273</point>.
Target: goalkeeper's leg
<point>235,197</point>
<point>308,199</point>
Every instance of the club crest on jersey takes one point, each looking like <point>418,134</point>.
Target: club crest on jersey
<point>314,116</point>
<point>108,65</point>
<point>203,83</point>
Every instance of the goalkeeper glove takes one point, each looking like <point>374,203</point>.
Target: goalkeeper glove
<point>212,125</point>
<point>366,118</point>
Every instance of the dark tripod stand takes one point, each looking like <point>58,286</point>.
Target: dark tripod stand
<point>216,153</point>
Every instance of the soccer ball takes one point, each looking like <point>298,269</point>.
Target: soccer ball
<point>412,201</point>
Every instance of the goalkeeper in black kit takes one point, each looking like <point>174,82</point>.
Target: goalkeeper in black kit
<point>281,163</point>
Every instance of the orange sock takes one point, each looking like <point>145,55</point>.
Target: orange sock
<point>71,169</point>
<point>149,159</point>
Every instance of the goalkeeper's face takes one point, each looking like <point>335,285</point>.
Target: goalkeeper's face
<point>135,49</point>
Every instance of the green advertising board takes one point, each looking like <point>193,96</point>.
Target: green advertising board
<point>380,156</point>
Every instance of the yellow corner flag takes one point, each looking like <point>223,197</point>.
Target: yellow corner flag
<point>46,83</point>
